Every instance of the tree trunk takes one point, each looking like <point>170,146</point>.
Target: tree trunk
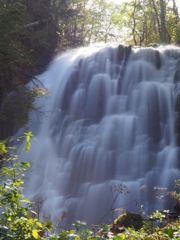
<point>134,25</point>
<point>163,33</point>
<point>157,16</point>
<point>175,10</point>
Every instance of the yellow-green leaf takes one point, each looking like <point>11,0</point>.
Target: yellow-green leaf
<point>122,235</point>
<point>3,148</point>
<point>28,146</point>
<point>39,224</point>
<point>35,234</point>
<point>25,164</point>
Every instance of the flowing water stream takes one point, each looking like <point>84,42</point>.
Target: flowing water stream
<point>109,125</point>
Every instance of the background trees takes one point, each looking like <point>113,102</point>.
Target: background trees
<point>81,22</point>
<point>24,35</point>
<point>139,22</point>
<point>152,21</point>
<point>27,42</point>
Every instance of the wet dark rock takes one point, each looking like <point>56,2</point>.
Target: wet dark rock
<point>177,76</point>
<point>158,59</point>
<point>125,220</point>
<point>177,208</point>
<point>124,52</point>
<point>129,219</point>
<point>177,102</point>
<point>177,117</point>
<point>177,129</point>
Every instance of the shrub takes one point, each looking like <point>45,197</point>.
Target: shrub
<point>16,221</point>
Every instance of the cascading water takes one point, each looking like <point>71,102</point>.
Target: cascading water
<point>107,122</point>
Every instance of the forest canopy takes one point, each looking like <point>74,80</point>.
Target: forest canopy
<point>137,22</point>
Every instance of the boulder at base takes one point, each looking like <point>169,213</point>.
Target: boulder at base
<point>132,220</point>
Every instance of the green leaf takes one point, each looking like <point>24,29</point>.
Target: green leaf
<point>3,148</point>
<point>39,224</point>
<point>27,136</point>
<point>170,232</point>
<point>26,200</point>
<point>35,234</point>
<point>28,146</point>
<point>121,236</point>
<point>9,219</point>
<point>25,164</point>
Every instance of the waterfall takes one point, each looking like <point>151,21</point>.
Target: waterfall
<point>109,124</point>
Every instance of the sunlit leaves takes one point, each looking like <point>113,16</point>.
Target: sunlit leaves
<point>14,207</point>
<point>3,148</point>
<point>27,136</point>
<point>35,234</point>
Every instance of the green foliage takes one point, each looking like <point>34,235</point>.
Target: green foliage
<point>157,215</point>
<point>81,232</point>
<point>3,148</point>
<point>28,136</point>
<point>176,193</point>
<point>15,108</point>
<point>138,22</point>
<point>14,55</point>
<point>25,51</point>
<point>16,221</point>
<point>82,22</point>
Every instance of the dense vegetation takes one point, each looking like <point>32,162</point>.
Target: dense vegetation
<point>25,49</point>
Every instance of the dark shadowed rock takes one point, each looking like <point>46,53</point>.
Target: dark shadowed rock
<point>158,59</point>
<point>126,220</point>
<point>124,52</point>
<point>177,75</point>
<point>177,208</point>
<point>177,115</point>
<point>132,220</point>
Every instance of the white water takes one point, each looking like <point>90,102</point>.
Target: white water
<point>101,129</point>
